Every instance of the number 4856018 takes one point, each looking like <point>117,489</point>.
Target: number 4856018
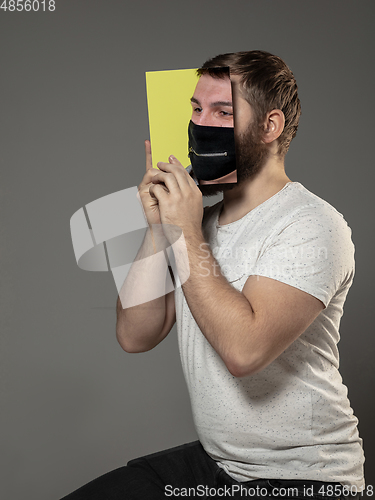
<point>28,5</point>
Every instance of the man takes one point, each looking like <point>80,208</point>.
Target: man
<point>257,319</point>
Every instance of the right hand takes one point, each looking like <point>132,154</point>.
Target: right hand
<point>150,204</point>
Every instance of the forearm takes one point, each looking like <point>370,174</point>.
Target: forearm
<point>222,313</point>
<point>141,305</point>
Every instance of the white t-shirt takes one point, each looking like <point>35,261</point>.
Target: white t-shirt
<point>293,419</point>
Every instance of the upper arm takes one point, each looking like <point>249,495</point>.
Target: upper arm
<point>295,273</point>
<point>281,313</point>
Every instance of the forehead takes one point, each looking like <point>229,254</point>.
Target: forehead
<point>211,89</point>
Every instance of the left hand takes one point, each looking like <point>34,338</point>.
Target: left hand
<point>181,205</point>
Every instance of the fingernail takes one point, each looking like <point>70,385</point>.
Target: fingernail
<point>172,157</point>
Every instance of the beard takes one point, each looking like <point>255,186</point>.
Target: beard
<point>251,154</point>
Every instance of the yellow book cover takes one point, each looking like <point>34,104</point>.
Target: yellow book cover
<point>169,113</point>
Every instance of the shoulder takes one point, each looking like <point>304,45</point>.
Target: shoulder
<point>297,196</point>
<point>305,210</point>
<point>308,245</point>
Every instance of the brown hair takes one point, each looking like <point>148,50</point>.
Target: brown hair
<point>267,84</point>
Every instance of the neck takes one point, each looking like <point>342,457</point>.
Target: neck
<point>254,191</point>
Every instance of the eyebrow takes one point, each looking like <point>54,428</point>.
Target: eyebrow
<point>214,104</point>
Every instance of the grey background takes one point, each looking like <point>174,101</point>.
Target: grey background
<point>73,121</point>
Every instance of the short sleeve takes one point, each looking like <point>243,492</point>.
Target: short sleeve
<point>311,250</point>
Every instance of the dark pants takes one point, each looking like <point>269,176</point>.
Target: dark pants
<point>187,471</point>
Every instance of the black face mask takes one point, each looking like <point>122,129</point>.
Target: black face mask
<point>211,151</point>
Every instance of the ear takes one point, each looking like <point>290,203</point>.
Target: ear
<point>273,126</point>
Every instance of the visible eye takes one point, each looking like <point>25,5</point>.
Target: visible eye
<point>226,113</point>
<point>197,110</point>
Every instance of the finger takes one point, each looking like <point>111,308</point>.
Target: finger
<point>170,167</point>
<point>168,179</point>
<point>175,167</point>
<point>147,178</point>
<point>173,160</point>
<point>148,155</point>
<point>158,192</point>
